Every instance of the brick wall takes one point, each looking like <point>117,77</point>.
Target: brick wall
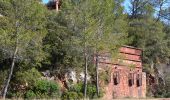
<point>125,81</point>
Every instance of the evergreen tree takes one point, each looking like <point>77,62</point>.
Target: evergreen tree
<point>22,30</point>
<point>95,26</point>
<point>147,33</point>
<point>107,35</point>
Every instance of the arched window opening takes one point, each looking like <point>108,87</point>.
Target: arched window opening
<point>116,78</point>
<point>131,79</point>
<point>139,79</point>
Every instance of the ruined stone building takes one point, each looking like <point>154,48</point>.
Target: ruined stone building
<point>126,77</point>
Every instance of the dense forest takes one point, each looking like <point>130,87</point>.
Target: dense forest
<point>39,46</point>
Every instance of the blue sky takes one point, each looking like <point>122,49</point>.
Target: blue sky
<point>126,5</point>
<point>45,1</point>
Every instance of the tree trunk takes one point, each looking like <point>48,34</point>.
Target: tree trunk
<point>97,76</point>
<point>10,74</point>
<point>98,38</point>
<point>57,5</point>
<point>85,77</point>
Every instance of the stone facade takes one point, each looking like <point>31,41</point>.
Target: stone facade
<point>126,77</point>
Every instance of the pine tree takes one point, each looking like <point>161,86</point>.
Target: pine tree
<point>95,26</point>
<point>147,33</point>
<point>107,36</point>
<point>22,30</point>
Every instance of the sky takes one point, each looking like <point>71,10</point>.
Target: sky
<point>126,5</point>
<point>45,1</point>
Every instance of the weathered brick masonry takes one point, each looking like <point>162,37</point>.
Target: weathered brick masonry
<point>126,78</point>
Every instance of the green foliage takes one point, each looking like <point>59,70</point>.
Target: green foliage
<point>24,27</point>
<point>30,94</point>
<point>77,88</point>
<point>21,34</point>
<point>44,87</point>
<point>3,75</point>
<point>38,89</point>
<point>76,92</point>
<point>28,76</point>
<point>167,95</point>
<point>91,90</point>
<point>81,27</point>
<point>104,76</point>
<point>58,43</point>
<point>71,96</point>
<point>132,66</point>
<point>94,28</point>
<point>24,80</point>
<point>149,34</point>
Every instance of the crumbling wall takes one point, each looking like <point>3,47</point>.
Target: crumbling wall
<point>126,79</point>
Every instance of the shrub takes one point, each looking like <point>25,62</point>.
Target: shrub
<point>29,76</point>
<point>74,92</point>
<point>92,92</point>
<point>78,88</point>
<point>44,89</point>
<point>30,94</point>
<point>71,95</point>
<point>167,95</point>
<point>41,86</point>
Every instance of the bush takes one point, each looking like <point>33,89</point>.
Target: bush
<point>45,86</point>
<point>77,88</point>
<point>30,94</point>
<point>167,95</point>
<point>3,75</point>
<point>71,95</point>
<point>91,91</point>
<point>23,80</point>
<point>44,89</point>
<point>76,91</point>
<point>29,76</point>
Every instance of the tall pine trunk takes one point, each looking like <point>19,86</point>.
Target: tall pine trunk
<point>12,64</point>
<point>97,74</point>
<point>85,77</point>
<point>10,74</point>
<point>99,32</point>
